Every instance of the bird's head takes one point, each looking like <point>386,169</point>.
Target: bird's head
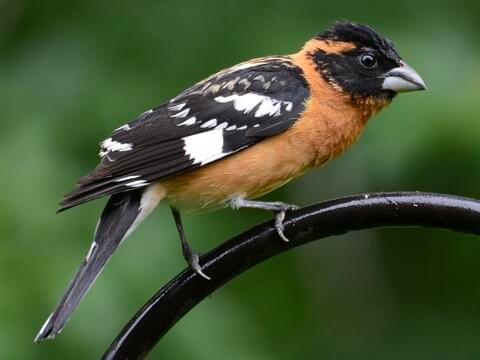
<point>357,60</point>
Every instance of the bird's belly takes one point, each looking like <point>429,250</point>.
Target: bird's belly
<point>250,173</point>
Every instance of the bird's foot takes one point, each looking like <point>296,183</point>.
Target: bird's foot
<point>189,255</point>
<point>278,207</point>
<point>192,258</point>
<point>279,217</point>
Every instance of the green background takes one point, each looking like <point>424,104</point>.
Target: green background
<point>70,72</point>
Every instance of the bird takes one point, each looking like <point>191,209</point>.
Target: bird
<point>233,137</point>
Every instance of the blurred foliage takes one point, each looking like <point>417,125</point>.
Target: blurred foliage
<point>73,71</point>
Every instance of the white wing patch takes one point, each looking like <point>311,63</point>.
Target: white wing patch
<point>270,107</point>
<point>244,103</point>
<point>137,183</point>
<point>177,107</point>
<point>125,127</point>
<point>222,126</point>
<point>209,124</point>
<point>109,145</point>
<point>125,178</point>
<point>204,147</point>
<point>189,121</point>
<point>181,114</point>
<point>247,102</point>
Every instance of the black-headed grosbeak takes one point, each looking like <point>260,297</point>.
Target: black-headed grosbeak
<point>235,136</point>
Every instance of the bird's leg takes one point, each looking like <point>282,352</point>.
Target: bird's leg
<point>279,208</point>
<point>188,253</point>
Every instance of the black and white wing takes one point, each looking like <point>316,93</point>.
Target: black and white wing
<point>218,116</point>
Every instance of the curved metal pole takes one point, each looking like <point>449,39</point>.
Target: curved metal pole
<point>333,217</point>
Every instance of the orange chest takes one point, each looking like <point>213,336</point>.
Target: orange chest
<point>314,139</point>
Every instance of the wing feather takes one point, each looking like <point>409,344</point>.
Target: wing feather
<point>218,116</point>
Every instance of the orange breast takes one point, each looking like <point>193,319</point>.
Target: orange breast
<point>317,137</point>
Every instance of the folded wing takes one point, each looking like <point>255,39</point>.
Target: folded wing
<point>221,115</point>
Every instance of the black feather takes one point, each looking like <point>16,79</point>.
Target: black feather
<point>359,34</point>
<point>345,70</point>
<point>117,217</point>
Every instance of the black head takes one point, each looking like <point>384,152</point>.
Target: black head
<point>361,62</point>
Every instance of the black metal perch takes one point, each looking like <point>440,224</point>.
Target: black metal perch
<point>237,255</point>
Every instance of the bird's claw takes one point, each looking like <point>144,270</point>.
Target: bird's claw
<point>195,266</point>
<point>278,207</point>
<point>279,217</point>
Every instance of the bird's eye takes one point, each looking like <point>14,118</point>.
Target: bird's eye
<point>368,60</point>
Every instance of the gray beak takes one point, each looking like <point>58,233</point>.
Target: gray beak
<point>403,79</point>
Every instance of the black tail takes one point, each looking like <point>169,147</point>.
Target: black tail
<point>115,222</point>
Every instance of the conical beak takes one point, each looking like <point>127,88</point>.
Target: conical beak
<point>403,79</point>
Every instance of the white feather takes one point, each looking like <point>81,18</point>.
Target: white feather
<point>137,183</point>
<point>109,145</point>
<point>268,106</point>
<point>125,178</point>
<point>181,114</point>
<point>204,147</point>
<point>244,103</point>
<point>189,121</point>
<point>125,127</point>
<point>247,102</point>
<point>209,124</point>
<point>177,107</point>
